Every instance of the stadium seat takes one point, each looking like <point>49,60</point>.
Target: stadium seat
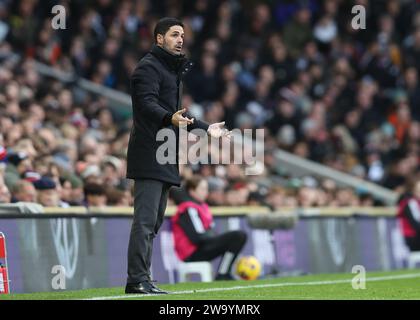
<point>413,259</point>
<point>203,268</point>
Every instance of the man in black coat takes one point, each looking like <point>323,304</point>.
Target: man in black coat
<point>156,97</point>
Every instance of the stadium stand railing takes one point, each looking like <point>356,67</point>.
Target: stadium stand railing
<point>221,211</point>
<point>298,167</point>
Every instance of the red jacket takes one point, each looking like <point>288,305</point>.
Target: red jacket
<point>409,216</point>
<point>184,246</point>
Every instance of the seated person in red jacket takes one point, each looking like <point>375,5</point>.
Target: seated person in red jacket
<point>409,217</point>
<point>193,233</point>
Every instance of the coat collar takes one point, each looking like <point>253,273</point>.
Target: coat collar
<point>177,63</point>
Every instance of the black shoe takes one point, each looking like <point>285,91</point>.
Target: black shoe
<point>144,287</point>
<point>224,277</point>
<point>156,288</point>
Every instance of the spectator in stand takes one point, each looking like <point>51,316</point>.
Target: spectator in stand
<point>18,164</point>
<point>24,191</point>
<point>72,190</point>
<point>5,196</point>
<point>111,171</point>
<point>47,193</point>
<point>95,195</point>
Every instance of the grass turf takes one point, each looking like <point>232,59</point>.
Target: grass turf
<point>379,285</point>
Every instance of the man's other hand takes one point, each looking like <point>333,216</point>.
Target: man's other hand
<point>217,130</point>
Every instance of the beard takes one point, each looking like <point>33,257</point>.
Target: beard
<point>166,46</point>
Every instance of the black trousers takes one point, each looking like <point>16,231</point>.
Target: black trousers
<point>150,200</point>
<point>229,242</point>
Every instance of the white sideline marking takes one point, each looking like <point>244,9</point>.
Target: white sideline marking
<point>268,285</point>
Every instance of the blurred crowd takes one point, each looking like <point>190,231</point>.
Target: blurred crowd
<point>345,97</point>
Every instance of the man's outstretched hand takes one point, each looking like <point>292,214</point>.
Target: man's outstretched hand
<point>178,119</point>
<point>217,130</point>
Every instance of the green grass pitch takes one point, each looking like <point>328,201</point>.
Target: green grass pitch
<point>403,284</point>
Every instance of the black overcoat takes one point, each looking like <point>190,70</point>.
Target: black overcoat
<point>156,88</point>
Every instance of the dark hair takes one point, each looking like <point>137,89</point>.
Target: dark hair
<point>164,24</point>
<point>113,196</point>
<point>94,189</point>
<point>193,182</point>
